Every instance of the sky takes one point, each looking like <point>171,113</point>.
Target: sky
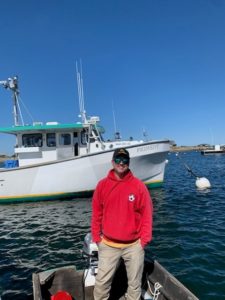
<point>152,66</point>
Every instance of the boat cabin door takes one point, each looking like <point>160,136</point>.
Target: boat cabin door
<point>76,143</point>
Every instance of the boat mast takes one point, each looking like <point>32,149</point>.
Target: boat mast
<point>12,84</point>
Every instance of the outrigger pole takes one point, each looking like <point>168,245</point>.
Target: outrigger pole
<point>12,84</point>
<point>90,122</point>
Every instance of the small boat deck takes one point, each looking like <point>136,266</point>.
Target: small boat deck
<point>80,286</point>
<point>48,283</point>
<point>67,279</point>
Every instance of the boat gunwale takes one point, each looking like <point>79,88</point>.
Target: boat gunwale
<point>166,141</point>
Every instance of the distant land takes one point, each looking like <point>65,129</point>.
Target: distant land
<point>190,148</point>
<point>4,157</point>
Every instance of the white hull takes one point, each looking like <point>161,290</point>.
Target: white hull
<point>78,175</point>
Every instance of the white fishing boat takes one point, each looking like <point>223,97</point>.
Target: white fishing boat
<point>62,161</point>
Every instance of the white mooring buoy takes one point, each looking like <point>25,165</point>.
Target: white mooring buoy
<point>202,183</point>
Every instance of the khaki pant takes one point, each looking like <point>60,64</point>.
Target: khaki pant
<point>109,258</point>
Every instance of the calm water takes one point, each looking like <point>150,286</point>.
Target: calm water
<point>189,232</point>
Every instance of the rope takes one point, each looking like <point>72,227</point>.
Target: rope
<point>156,292</point>
<point>187,167</point>
<point>27,111</point>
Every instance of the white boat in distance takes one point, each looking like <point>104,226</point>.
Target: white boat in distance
<point>217,149</point>
<point>63,161</point>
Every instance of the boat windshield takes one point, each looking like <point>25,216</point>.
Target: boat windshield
<point>65,139</point>
<point>32,140</point>
<point>51,139</point>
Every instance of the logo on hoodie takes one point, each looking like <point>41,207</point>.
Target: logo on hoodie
<point>131,197</point>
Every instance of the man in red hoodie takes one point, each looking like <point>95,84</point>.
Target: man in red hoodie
<point>121,226</point>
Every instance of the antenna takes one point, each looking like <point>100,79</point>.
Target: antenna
<point>145,134</point>
<point>114,118</point>
<point>116,133</point>
<point>12,84</point>
<point>80,92</point>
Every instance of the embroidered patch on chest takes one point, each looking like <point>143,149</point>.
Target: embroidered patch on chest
<point>131,197</point>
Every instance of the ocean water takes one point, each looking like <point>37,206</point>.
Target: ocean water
<point>188,236</point>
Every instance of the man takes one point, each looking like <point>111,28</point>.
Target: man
<point>121,226</point>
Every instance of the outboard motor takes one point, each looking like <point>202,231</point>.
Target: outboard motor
<point>90,252</point>
<point>90,248</point>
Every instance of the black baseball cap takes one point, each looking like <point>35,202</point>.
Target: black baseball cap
<point>121,152</point>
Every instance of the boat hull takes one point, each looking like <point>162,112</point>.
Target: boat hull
<point>78,176</point>
<point>68,279</point>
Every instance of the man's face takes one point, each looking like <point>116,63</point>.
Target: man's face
<point>120,165</point>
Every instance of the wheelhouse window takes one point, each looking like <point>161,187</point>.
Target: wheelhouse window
<point>65,139</point>
<point>51,139</point>
<point>32,140</point>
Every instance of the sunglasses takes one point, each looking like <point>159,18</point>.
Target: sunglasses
<point>123,160</point>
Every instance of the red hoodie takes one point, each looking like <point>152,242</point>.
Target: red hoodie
<point>122,210</point>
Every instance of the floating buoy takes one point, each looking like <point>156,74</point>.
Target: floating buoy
<point>202,183</point>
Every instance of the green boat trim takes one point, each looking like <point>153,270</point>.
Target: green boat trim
<point>44,197</point>
<point>59,196</point>
<point>45,127</point>
<point>154,184</point>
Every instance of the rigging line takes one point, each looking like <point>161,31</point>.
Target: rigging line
<point>21,116</point>
<point>26,109</point>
